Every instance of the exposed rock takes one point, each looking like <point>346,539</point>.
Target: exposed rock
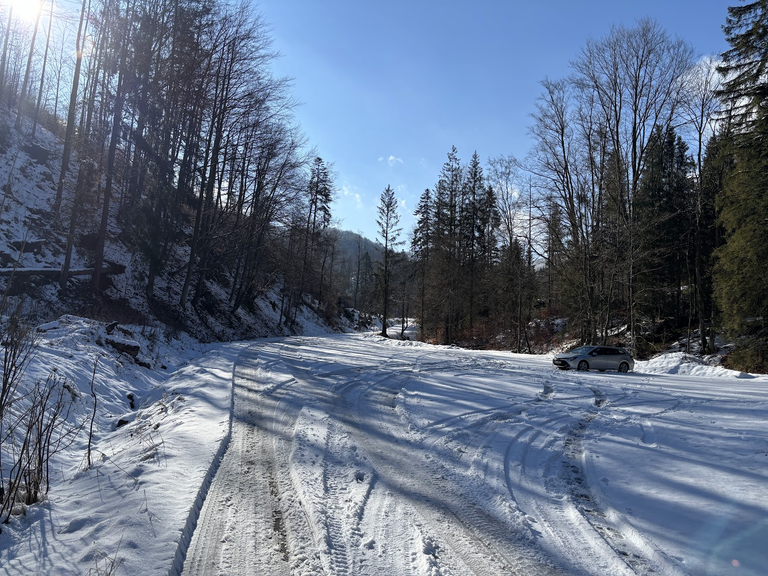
<point>130,347</point>
<point>29,246</point>
<point>37,153</point>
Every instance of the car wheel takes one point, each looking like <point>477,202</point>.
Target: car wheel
<point>583,365</point>
<point>623,367</point>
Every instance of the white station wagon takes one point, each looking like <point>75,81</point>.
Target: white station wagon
<point>595,358</point>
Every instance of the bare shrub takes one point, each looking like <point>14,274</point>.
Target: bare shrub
<point>18,342</point>
<point>37,431</point>
<point>34,422</point>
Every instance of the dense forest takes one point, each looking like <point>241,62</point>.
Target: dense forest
<point>638,216</point>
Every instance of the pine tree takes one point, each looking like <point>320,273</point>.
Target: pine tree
<point>488,222</point>
<point>389,233</point>
<point>745,64</point>
<point>421,244</point>
<point>665,212</point>
<point>717,163</point>
<point>319,195</point>
<point>473,190</point>
<point>448,246</point>
<point>741,287</point>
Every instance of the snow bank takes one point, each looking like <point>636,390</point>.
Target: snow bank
<point>687,365</point>
<point>158,435</point>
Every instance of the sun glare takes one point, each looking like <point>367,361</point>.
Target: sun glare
<point>25,10</point>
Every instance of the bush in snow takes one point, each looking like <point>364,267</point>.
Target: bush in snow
<point>33,421</point>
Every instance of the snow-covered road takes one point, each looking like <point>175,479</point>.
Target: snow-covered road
<point>352,455</point>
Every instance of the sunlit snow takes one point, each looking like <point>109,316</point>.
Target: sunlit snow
<point>352,454</point>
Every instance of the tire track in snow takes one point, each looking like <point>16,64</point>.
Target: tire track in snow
<point>347,491</point>
<point>640,556</point>
<point>389,508</point>
<point>534,462</point>
<point>391,538</point>
<point>577,519</point>
<point>242,527</point>
<point>394,538</point>
<point>482,545</point>
<point>425,534</point>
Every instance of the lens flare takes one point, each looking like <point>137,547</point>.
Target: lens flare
<point>26,11</point>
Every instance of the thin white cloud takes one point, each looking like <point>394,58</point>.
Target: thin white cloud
<point>352,193</point>
<point>391,161</point>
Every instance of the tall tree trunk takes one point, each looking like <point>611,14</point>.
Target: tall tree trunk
<point>42,73</point>
<point>117,117</point>
<point>101,237</point>
<point>23,94</point>
<point>5,50</point>
<point>83,177</point>
<point>70,133</point>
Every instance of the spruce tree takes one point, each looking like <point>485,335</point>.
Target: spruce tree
<point>666,214</point>
<point>473,189</point>
<point>741,287</point>
<point>716,165</point>
<point>389,233</point>
<point>745,64</point>
<point>448,245</point>
<point>421,244</point>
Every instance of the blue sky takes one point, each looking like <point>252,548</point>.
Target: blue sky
<point>388,87</point>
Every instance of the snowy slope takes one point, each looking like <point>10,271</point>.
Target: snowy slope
<point>33,238</point>
<point>134,504</point>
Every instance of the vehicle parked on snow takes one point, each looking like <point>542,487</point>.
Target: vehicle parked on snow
<point>595,358</point>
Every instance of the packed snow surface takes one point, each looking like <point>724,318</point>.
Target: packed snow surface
<point>355,455</point>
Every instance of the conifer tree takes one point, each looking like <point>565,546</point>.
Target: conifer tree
<point>745,63</point>
<point>421,244</point>
<point>717,164</point>
<point>473,191</point>
<point>389,232</point>
<point>740,281</point>
<point>665,212</point>
<point>448,245</point>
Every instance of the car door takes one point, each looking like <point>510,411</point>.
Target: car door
<point>601,359</point>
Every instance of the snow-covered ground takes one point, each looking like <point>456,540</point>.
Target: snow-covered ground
<point>134,502</point>
<point>354,455</point>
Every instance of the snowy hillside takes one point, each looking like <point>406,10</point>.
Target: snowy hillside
<point>33,246</point>
<point>142,424</point>
<point>352,454</point>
